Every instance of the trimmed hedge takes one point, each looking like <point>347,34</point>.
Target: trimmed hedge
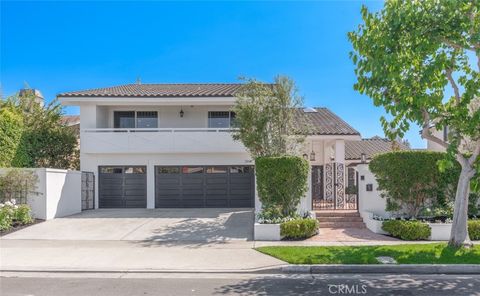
<point>407,230</point>
<point>12,152</point>
<point>299,228</point>
<point>474,229</point>
<point>281,182</point>
<point>412,179</point>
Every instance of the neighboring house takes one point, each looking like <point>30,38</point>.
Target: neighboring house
<point>441,134</point>
<point>32,93</point>
<point>170,146</point>
<point>72,121</point>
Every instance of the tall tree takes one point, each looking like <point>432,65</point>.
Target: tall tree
<point>409,57</point>
<point>264,115</point>
<point>44,142</point>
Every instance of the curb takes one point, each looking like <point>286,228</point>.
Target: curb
<point>288,269</point>
<point>392,269</point>
<point>263,270</point>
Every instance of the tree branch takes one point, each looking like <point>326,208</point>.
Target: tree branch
<point>427,133</point>
<point>456,45</point>
<point>475,154</point>
<point>453,84</point>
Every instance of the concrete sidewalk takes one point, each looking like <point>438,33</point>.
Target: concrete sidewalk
<point>47,255</point>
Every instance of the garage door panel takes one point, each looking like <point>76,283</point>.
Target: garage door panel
<point>122,187</point>
<point>196,186</point>
<point>108,194</point>
<point>245,203</point>
<point>217,203</point>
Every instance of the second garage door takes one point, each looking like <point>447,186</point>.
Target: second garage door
<point>204,187</point>
<point>122,187</point>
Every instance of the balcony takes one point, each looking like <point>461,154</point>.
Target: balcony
<point>159,140</point>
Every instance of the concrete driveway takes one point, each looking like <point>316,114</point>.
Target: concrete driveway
<point>162,225</point>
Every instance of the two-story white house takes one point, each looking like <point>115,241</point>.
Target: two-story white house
<point>170,146</point>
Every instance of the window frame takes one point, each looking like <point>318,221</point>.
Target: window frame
<point>231,117</point>
<point>135,117</point>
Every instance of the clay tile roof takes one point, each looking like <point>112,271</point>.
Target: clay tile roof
<point>372,146</point>
<point>70,120</point>
<point>322,121</point>
<point>160,90</point>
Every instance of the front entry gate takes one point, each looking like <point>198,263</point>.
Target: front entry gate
<point>328,187</point>
<point>88,191</point>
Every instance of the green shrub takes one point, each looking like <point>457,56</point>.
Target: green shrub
<point>412,179</point>
<point>281,182</point>
<point>11,129</point>
<point>299,228</point>
<point>23,215</point>
<point>474,229</point>
<point>6,218</point>
<point>407,230</point>
<point>17,184</point>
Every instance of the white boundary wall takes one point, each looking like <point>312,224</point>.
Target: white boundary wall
<point>369,201</point>
<point>59,193</point>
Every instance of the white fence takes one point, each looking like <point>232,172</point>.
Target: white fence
<point>58,193</point>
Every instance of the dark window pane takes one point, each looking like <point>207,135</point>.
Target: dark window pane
<point>216,170</point>
<point>192,170</point>
<point>147,119</point>
<point>168,170</point>
<point>110,170</point>
<point>218,119</point>
<point>240,169</point>
<point>124,119</point>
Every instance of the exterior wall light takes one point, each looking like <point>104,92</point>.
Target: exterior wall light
<point>363,158</point>
<point>181,112</point>
<point>312,156</point>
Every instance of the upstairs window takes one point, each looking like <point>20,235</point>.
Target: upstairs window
<point>132,119</point>
<point>124,119</point>
<point>147,119</point>
<point>221,119</point>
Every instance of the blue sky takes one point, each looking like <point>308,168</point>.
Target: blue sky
<point>63,46</point>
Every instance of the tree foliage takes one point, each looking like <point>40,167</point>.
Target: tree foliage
<point>420,60</point>
<point>264,114</point>
<point>11,129</point>
<point>17,184</point>
<point>411,180</point>
<point>281,183</point>
<point>44,141</point>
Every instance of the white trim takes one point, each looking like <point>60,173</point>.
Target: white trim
<point>168,101</point>
<point>168,130</point>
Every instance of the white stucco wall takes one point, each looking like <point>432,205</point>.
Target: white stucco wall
<point>58,193</point>
<point>91,162</point>
<point>63,193</point>
<point>369,201</point>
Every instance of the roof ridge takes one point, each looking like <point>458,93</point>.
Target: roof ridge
<point>186,83</point>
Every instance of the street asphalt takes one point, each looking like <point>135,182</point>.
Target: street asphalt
<point>234,284</point>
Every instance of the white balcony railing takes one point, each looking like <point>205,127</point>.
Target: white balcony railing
<point>159,140</point>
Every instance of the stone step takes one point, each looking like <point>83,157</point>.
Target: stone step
<point>337,214</point>
<point>340,219</point>
<point>341,225</point>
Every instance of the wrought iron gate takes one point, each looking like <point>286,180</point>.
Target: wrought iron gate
<point>88,191</point>
<point>328,187</point>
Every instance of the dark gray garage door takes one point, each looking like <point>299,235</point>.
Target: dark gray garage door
<point>204,187</point>
<point>122,187</point>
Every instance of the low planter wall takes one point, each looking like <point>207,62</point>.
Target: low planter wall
<point>374,225</point>
<point>440,231</point>
<point>267,232</point>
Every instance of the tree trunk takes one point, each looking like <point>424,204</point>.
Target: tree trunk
<point>459,235</point>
